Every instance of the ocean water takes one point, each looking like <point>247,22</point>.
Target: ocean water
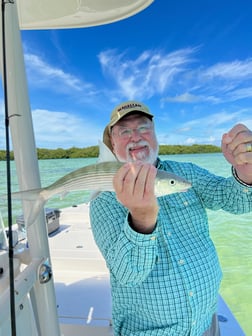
<point>231,234</point>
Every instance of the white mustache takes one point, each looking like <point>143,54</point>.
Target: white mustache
<point>151,158</point>
<point>140,143</point>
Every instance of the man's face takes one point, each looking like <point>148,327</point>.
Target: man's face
<point>133,138</point>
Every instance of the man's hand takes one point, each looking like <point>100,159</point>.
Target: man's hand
<point>134,187</point>
<point>236,147</point>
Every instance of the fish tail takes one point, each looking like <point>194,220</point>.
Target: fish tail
<point>27,195</point>
<point>35,208</point>
<point>37,197</point>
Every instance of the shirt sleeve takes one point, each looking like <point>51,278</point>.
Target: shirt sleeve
<point>130,255</point>
<point>218,192</point>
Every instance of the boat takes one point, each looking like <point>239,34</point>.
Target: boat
<point>56,285</point>
<point>81,280</point>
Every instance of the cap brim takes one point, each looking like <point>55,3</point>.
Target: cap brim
<point>106,137</point>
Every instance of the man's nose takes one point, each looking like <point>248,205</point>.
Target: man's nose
<point>135,134</point>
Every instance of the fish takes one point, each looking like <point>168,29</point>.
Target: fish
<point>95,177</point>
<point>105,153</point>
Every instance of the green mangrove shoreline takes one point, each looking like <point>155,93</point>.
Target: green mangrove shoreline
<point>93,151</point>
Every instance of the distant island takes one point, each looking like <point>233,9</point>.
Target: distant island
<point>93,151</point>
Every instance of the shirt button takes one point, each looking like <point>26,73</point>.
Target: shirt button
<point>153,238</point>
<point>181,262</point>
<point>245,190</point>
<point>185,203</point>
<point>191,293</point>
<point>169,233</point>
<point>193,323</point>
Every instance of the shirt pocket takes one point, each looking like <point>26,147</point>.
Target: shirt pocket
<point>181,200</point>
<point>184,211</point>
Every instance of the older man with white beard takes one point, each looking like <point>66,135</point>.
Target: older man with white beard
<point>164,270</point>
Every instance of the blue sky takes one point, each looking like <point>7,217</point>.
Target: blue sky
<point>189,61</point>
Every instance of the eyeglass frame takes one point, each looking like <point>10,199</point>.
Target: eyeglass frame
<point>147,129</point>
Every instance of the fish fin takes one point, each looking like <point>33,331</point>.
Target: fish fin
<point>35,209</point>
<point>37,197</point>
<point>27,195</point>
<point>105,153</point>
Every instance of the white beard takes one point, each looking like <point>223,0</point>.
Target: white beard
<point>141,156</point>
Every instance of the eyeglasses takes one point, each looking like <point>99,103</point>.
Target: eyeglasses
<point>126,133</point>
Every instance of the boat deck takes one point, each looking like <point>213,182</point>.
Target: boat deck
<point>82,280</point>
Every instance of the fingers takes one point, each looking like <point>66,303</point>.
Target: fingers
<point>124,179</point>
<point>135,179</point>
<point>150,181</point>
<point>238,135</point>
<point>134,187</point>
<point>241,154</point>
<point>236,144</point>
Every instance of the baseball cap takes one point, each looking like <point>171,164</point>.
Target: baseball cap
<point>119,112</point>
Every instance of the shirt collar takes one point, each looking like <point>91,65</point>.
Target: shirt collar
<point>159,164</point>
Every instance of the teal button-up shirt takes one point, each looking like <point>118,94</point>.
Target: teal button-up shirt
<point>167,282</point>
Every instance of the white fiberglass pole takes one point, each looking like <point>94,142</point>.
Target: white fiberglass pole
<point>43,295</point>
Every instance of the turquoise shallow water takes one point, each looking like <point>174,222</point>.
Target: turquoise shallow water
<point>231,234</point>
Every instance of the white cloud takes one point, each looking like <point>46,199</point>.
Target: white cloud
<point>189,98</point>
<point>176,77</point>
<point>54,129</point>
<point>38,69</point>
<point>207,130</point>
<point>242,93</point>
<point>190,141</point>
<point>42,74</point>
<point>152,72</point>
<point>230,70</point>
<point>173,76</point>
<point>183,98</point>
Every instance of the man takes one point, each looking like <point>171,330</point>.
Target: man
<point>164,269</point>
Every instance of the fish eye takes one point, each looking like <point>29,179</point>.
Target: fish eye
<point>172,182</point>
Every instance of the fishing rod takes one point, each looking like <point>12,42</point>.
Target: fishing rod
<point>8,176</point>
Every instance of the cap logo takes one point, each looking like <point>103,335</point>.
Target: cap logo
<point>129,106</point>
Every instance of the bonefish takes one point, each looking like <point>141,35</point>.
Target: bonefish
<point>95,177</point>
